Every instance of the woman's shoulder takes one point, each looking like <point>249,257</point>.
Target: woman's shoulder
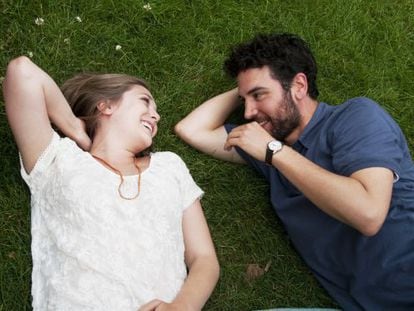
<point>168,159</point>
<point>61,152</point>
<point>166,155</point>
<point>68,147</point>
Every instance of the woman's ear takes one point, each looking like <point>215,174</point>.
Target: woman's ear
<point>105,108</point>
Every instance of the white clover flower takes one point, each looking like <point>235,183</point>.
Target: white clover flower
<point>39,21</point>
<point>1,79</point>
<point>30,54</point>
<point>66,40</point>
<point>147,7</point>
<point>118,47</point>
<point>78,19</point>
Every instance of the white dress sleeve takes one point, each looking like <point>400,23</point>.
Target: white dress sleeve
<point>189,190</point>
<point>43,162</point>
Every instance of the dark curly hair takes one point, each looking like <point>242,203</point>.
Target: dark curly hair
<point>285,54</point>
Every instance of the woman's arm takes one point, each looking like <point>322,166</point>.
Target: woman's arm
<point>204,129</point>
<point>201,260</point>
<point>33,101</point>
<point>202,264</point>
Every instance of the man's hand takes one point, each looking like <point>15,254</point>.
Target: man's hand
<point>250,137</point>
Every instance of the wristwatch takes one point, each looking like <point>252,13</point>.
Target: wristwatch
<point>273,147</point>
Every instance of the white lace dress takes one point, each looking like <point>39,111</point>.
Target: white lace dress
<point>93,250</point>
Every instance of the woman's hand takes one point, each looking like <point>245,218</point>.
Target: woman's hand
<point>159,305</point>
<point>151,306</point>
<point>79,135</point>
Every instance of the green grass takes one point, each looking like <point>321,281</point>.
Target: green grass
<point>363,48</point>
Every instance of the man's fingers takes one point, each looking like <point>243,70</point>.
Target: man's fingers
<point>250,137</point>
<point>232,138</point>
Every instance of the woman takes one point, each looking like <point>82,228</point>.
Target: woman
<point>114,227</point>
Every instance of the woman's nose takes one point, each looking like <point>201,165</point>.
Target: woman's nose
<point>155,115</point>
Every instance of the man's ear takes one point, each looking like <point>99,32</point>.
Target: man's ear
<point>105,108</point>
<point>300,86</point>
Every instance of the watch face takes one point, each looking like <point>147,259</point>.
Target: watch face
<point>275,145</point>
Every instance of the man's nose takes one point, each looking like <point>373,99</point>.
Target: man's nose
<point>250,109</point>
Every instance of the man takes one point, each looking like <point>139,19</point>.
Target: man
<point>341,177</point>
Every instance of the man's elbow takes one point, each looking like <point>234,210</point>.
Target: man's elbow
<point>370,231</point>
<point>181,131</point>
<point>372,225</point>
<point>186,133</point>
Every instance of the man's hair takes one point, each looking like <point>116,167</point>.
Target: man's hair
<point>285,54</point>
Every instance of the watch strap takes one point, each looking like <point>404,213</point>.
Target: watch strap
<point>269,155</point>
<point>272,147</point>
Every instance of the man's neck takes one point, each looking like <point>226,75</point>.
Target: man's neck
<point>307,109</point>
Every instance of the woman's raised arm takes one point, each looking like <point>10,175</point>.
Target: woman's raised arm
<point>34,101</point>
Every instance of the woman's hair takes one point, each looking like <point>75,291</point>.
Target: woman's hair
<point>285,54</point>
<point>86,90</point>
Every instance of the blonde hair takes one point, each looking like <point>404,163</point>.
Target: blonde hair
<point>85,91</point>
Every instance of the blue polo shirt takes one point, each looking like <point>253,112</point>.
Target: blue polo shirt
<point>359,272</point>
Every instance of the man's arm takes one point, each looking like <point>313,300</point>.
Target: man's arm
<point>361,200</point>
<point>203,128</point>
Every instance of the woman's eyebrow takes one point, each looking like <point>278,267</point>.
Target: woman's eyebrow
<point>151,99</point>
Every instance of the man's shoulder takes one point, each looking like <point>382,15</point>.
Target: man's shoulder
<point>358,104</point>
<point>355,116</point>
<point>358,108</point>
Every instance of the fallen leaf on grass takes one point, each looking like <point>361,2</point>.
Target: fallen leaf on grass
<point>12,255</point>
<point>254,270</point>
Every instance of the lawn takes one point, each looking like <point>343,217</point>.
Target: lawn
<point>363,48</point>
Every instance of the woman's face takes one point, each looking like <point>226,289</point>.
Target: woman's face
<point>136,116</point>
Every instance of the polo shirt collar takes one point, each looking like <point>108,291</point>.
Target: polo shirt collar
<point>321,111</point>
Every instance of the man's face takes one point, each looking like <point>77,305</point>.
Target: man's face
<point>267,103</point>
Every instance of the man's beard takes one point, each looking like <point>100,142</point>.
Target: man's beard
<point>283,127</point>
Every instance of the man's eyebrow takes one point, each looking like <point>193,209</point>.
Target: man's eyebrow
<point>257,88</point>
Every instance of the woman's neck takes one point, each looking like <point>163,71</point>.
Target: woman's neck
<point>122,159</point>
<point>113,152</point>
<point>113,149</point>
